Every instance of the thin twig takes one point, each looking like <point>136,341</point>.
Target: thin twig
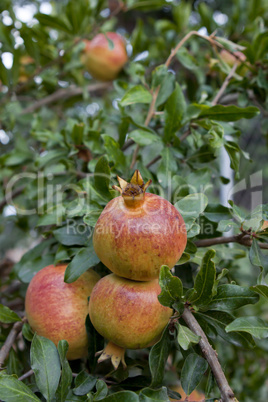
<point>26,375</point>
<point>224,85</point>
<point>63,94</point>
<point>10,340</point>
<point>245,241</point>
<point>127,144</point>
<point>153,161</point>
<point>210,355</point>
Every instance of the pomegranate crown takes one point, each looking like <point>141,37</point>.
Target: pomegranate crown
<point>134,191</point>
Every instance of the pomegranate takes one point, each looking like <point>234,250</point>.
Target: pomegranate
<point>128,314</point>
<point>138,232</point>
<point>105,55</point>
<point>58,310</point>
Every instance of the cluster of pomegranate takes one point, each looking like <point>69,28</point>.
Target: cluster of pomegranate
<point>136,233</point>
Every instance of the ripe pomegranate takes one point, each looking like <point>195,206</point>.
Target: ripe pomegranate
<point>58,310</point>
<point>105,55</point>
<point>138,232</point>
<point>128,314</point>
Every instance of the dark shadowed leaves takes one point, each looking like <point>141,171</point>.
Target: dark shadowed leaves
<point>204,281</point>
<point>84,383</point>
<point>231,297</point>
<point>148,394</point>
<point>158,357</point>
<point>66,373</point>
<point>193,369</point>
<point>96,344</point>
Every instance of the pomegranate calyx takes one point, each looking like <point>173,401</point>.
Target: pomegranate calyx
<point>133,192</point>
<point>113,352</point>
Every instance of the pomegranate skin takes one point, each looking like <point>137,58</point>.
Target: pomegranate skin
<point>127,312</point>
<point>135,242</point>
<point>58,310</point>
<point>103,61</point>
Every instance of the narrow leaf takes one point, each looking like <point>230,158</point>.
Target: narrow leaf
<point>174,110</point>
<point>45,363</point>
<point>192,372</point>
<point>66,373</point>
<point>231,297</point>
<point>186,337</point>
<point>158,357</point>
<point>137,94</point>
<point>253,325</point>
<point>82,261</point>
<point>8,316</point>
<point>13,390</point>
<point>204,281</point>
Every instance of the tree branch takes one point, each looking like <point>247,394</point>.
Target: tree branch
<point>10,340</point>
<point>210,355</point>
<point>224,85</point>
<point>26,375</point>
<point>63,94</point>
<point>245,241</point>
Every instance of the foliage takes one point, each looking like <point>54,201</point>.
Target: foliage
<point>64,139</point>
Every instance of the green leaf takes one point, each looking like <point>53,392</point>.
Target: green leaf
<point>27,332</point>
<point>102,390</point>
<point>158,357</point>
<point>92,217</point>
<point>192,205</point>
<point>82,261</point>
<point>252,325</point>
<point>137,94</point>
<point>204,281</point>
<point>217,212</point>
<point>72,235</point>
<point>143,137</point>
<point>186,337</point>
<point>148,394</point>
<point>102,176</point>
<point>122,396</point>
<point>261,289</point>
<point>84,383</point>
<point>234,155</point>
<point>13,390</point>
<point>226,113</point>
<point>66,372</point>
<point>45,363</point>
<point>174,111</point>
<point>186,59</point>
<point>77,133</point>
<point>219,320</point>
<point>171,287</point>
<point>257,258</point>
<point>231,297</point>
<point>192,372</point>
<point>8,316</point>
<point>114,153</point>
<point>168,164</point>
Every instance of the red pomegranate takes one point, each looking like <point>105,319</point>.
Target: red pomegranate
<point>58,310</point>
<point>105,55</point>
<point>128,314</point>
<point>138,232</point>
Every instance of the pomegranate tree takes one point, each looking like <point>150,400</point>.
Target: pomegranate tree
<point>138,232</point>
<point>58,310</point>
<point>128,314</point>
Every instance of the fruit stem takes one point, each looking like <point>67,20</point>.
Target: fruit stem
<point>133,192</point>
